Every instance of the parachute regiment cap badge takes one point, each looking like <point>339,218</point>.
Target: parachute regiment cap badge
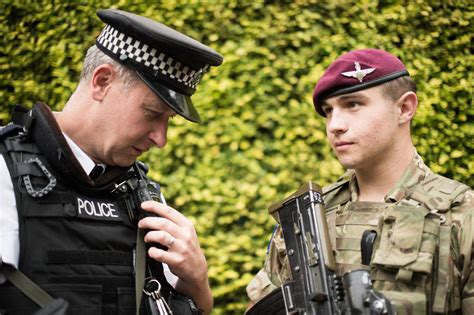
<point>359,73</point>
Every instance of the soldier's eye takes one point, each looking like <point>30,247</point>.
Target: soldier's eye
<point>353,104</point>
<point>327,110</point>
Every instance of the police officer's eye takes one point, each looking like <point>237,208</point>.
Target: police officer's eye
<point>152,113</point>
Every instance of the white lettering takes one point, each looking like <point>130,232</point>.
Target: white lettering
<point>103,211</point>
<point>89,210</point>
<point>97,209</point>
<point>80,205</point>
<point>97,212</point>
<point>112,211</point>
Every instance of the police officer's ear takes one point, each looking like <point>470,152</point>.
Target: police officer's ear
<point>101,80</point>
<point>407,105</point>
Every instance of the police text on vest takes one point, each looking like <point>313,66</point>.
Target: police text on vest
<point>97,209</point>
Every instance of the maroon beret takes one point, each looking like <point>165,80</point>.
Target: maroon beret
<point>357,70</point>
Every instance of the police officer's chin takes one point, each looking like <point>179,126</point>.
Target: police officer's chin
<point>123,161</point>
<point>125,158</point>
<point>128,163</point>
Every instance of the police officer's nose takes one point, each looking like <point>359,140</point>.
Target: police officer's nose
<point>159,134</point>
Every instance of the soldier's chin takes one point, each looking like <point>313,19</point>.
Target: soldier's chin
<point>346,163</point>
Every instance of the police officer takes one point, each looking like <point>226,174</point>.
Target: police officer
<point>422,256</point>
<point>72,237</point>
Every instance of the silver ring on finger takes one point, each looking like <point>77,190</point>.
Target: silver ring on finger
<point>171,241</point>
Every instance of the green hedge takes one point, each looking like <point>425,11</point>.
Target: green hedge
<point>261,137</point>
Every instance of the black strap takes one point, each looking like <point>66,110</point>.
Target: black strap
<point>21,146</point>
<point>8,130</point>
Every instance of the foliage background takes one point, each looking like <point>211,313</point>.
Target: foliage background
<point>261,137</point>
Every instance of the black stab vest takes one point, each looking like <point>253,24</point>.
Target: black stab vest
<point>77,237</point>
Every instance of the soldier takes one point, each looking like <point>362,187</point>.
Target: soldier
<point>422,257</point>
<point>70,237</point>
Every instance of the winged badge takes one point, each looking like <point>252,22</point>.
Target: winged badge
<point>359,73</point>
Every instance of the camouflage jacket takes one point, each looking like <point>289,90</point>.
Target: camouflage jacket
<point>423,255</point>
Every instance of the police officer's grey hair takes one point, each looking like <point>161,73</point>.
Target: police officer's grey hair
<point>95,57</point>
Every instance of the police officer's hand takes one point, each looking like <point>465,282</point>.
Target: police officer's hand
<point>184,255</point>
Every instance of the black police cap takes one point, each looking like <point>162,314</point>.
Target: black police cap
<point>170,63</point>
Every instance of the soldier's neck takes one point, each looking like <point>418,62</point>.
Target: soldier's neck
<point>376,181</point>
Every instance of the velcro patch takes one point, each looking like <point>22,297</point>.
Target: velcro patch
<point>95,209</point>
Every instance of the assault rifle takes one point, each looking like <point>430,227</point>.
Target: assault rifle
<point>315,288</point>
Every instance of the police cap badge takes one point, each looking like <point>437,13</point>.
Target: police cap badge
<point>170,63</point>
<point>357,70</point>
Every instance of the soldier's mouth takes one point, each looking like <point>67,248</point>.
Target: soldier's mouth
<point>342,145</point>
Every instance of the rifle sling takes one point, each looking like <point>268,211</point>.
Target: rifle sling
<point>25,285</point>
<point>140,262</point>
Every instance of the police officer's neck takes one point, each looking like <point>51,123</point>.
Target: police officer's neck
<point>76,121</point>
<point>69,125</point>
<point>376,180</point>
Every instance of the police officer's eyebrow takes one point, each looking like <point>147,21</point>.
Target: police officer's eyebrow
<point>159,107</point>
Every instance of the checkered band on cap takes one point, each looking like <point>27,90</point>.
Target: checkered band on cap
<point>155,62</point>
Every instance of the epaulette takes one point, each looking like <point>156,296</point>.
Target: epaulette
<point>438,193</point>
<point>10,130</point>
<point>21,121</point>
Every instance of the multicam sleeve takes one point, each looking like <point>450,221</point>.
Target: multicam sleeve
<point>274,272</point>
<point>466,210</point>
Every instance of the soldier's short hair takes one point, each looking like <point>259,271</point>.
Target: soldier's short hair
<point>396,88</point>
<point>95,57</point>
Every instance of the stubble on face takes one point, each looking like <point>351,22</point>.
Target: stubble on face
<point>122,126</point>
<point>141,123</point>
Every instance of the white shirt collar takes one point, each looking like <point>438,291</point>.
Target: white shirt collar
<point>86,162</point>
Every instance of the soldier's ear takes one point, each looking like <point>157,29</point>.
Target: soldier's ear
<point>407,105</point>
<point>101,81</point>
